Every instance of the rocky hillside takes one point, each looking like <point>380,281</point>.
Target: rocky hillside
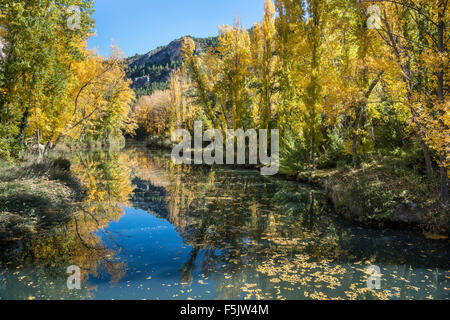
<point>151,71</point>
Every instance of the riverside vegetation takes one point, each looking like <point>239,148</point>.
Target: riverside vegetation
<point>364,121</point>
<point>360,99</point>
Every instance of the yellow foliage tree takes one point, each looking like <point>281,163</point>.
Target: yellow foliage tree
<point>96,104</point>
<point>264,66</point>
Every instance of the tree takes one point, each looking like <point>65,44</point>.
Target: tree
<point>290,28</point>
<point>312,50</point>
<point>264,66</point>
<point>360,66</point>
<point>97,104</point>
<point>34,73</point>
<point>203,83</point>
<point>153,113</point>
<point>234,51</point>
<point>415,32</point>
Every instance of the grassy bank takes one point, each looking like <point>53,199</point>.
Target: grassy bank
<point>35,196</point>
<point>384,192</point>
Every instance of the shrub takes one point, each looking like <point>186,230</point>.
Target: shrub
<point>334,152</point>
<point>293,156</point>
<point>372,199</point>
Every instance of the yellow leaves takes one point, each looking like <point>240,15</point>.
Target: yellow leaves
<point>435,122</point>
<point>97,91</point>
<point>100,90</point>
<point>235,55</point>
<point>435,236</point>
<point>188,47</point>
<point>2,35</point>
<point>154,112</point>
<point>264,65</point>
<point>435,60</point>
<point>234,42</point>
<point>268,24</point>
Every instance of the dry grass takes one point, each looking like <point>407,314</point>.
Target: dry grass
<point>29,193</point>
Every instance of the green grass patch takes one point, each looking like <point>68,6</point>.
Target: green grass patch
<point>388,190</point>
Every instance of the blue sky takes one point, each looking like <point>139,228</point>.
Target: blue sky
<point>139,26</point>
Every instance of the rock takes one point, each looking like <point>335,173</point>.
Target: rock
<point>407,214</point>
<point>166,57</point>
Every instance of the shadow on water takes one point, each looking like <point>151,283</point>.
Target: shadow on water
<point>151,229</point>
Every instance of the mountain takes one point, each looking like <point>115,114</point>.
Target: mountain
<point>151,71</point>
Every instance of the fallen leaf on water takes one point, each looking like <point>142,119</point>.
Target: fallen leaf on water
<point>433,236</point>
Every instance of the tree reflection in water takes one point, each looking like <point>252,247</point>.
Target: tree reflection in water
<point>267,238</point>
<point>249,236</point>
<point>76,242</point>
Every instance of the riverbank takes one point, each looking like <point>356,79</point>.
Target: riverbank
<point>383,194</point>
<point>386,192</point>
<point>32,197</point>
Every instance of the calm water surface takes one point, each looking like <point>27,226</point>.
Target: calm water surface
<point>153,230</point>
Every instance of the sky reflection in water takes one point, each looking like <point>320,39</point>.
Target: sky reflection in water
<point>153,230</point>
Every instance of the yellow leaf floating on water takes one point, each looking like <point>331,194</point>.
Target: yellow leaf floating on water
<point>433,236</point>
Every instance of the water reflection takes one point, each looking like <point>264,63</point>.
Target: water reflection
<point>36,267</point>
<point>150,229</point>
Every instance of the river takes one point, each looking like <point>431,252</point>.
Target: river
<point>152,230</point>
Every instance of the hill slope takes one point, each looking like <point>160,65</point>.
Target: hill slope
<point>151,71</point>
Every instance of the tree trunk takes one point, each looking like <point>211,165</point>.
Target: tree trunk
<point>426,155</point>
<point>440,83</point>
<point>356,137</point>
<point>444,183</point>
<point>23,126</point>
<point>311,213</point>
<point>359,110</point>
<point>38,137</point>
<point>313,161</point>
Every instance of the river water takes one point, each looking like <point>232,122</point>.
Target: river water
<point>152,230</point>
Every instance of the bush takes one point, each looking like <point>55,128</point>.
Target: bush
<point>293,156</point>
<point>4,150</point>
<point>10,150</point>
<point>372,199</point>
<point>334,151</point>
